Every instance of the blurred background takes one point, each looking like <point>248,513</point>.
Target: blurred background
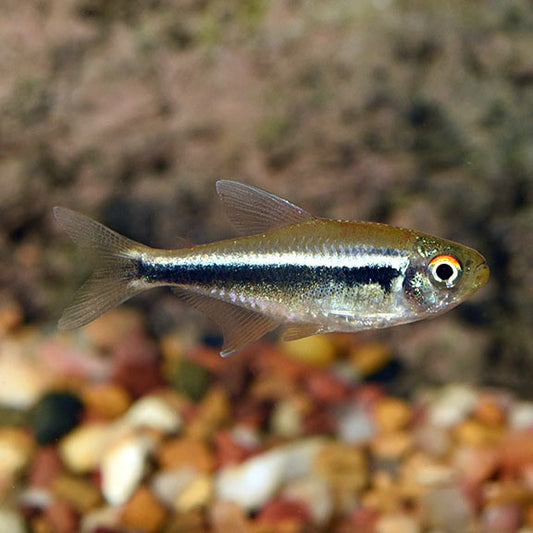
<point>414,113</point>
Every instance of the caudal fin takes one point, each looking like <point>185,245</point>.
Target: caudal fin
<point>114,278</point>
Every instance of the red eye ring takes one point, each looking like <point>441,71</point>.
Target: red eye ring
<point>445,270</point>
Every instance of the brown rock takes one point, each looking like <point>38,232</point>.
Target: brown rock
<point>213,413</point>
<point>186,451</point>
<point>143,512</point>
<point>343,466</point>
<point>11,316</point>
<point>78,492</point>
<point>273,387</point>
<point>61,517</point>
<point>528,515</point>
<point>384,494</point>
<point>188,522</point>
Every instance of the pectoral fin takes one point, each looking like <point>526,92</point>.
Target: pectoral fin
<point>240,326</point>
<point>295,331</point>
<point>253,211</point>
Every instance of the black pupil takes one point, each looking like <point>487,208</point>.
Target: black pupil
<point>444,271</point>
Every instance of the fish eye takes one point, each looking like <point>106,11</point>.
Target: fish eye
<point>444,270</point>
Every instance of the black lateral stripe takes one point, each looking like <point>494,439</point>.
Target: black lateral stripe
<point>281,275</point>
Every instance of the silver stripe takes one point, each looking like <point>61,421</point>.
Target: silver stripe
<point>308,259</point>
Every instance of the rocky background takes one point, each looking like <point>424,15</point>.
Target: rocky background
<point>416,113</point>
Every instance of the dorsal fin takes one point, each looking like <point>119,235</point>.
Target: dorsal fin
<point>240,326</point>
<point>253,211</point>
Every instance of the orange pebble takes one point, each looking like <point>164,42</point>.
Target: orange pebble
<point>143,512</point>
<point>370,357</point>
<point>528,515</point>
<point>474,433</point>
<point>392,414</point>
<point>489,411</point>
<point>106,400</point>
<point>516,449</point>
<point>185,451</point>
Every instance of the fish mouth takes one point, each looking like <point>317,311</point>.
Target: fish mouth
<point>481,275</point>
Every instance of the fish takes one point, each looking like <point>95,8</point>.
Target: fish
<point>289,269</point>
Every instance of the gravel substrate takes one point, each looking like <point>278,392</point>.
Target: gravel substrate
<point>108,430</point>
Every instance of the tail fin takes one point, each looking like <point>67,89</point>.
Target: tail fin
<point>114,278</point>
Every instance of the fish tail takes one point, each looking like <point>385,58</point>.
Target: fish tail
<point>115,276</point>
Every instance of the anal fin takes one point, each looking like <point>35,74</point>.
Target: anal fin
<point>297,330</point>
<point>240,326</point>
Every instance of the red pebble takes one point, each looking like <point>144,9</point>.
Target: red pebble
<point>45,467</point>
<point>272,361</point>
<point>227,451</point>
<point>326,387</point>
<point>253,414</point>
<point>62,517</point>
<point>368,394</point>
<point>136,365</point>
<point>362,520</point>
<point>320,422</point>
<point>282,510</point>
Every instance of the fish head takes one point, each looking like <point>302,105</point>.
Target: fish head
<point>442,274</point>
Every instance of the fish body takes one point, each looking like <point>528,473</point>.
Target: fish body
<point>310,275</point>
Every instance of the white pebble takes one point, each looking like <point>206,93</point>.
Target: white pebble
<point>123,466</point>
<point>397,523</point>
<point>286,420</point>
<point>254,481</point>
<point>153,412</point>
<point>246,436</point>
<point>447,509</point>
<point>35,498</point>
<point>521,415</point>
<point>300,457</point>
<point>168,484</point>
<point>11,521</point>
<point>103,517</point>
<point>452,405</point>
<point>354,426</point>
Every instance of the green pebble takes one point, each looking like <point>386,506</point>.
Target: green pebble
<point>54,415</point>
<point>191,379</point>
